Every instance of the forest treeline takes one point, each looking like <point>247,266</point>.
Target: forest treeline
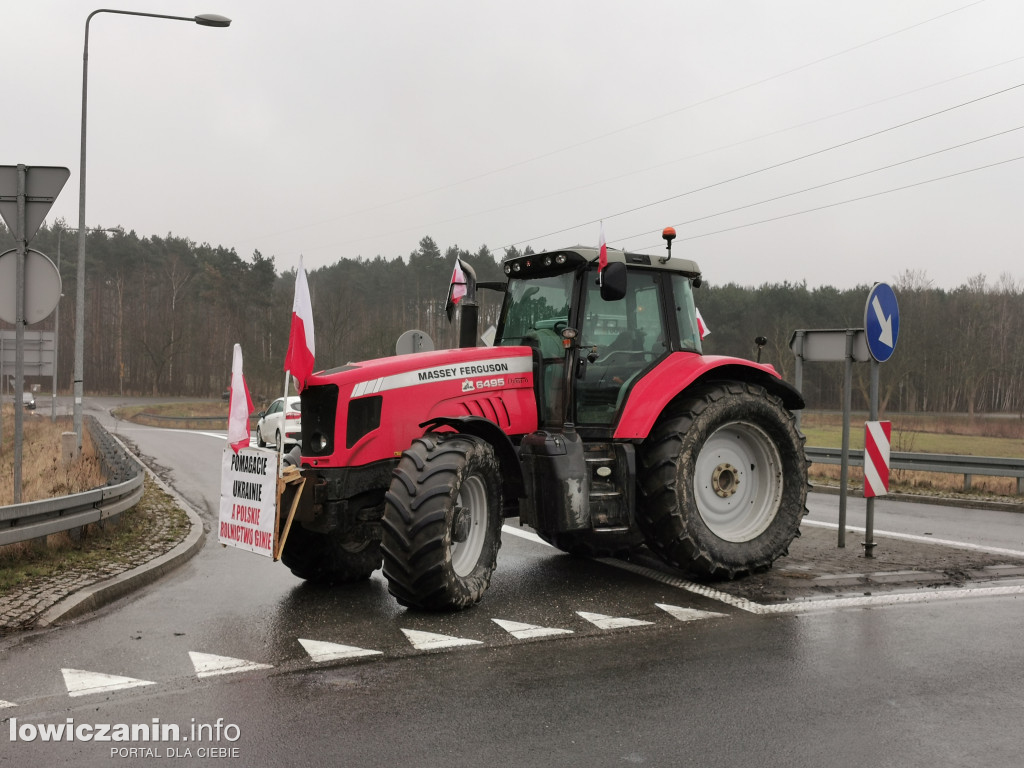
<point>162,315</point>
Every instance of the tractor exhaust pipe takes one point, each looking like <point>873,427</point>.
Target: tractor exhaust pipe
<point>470,309</point>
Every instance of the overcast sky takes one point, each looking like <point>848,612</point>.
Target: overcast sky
<point>336,129</point>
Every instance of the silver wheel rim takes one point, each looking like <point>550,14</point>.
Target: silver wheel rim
<point>738,481</point>
<point>466,554</point>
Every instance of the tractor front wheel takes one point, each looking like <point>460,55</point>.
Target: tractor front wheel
<point>442,522</point>
<point>724,482</point>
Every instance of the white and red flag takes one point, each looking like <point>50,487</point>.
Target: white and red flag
<point>602,246</point>
<point>457,289</point>
<point>702,327</point>
<point>301,346</point>
<point>239,405</point>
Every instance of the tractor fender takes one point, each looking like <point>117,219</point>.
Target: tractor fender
<point>513,486</point>
<point>677,373</point>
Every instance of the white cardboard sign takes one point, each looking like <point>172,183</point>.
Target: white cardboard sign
<point>248,500</point>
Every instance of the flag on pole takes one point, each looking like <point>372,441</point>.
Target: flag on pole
<point>239,405</point>
<point>457,289</point>
<point>301,347</point>
<point>602,259</point>
<point>702,327</point>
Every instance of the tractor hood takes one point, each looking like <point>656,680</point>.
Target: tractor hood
<point>372,410</point>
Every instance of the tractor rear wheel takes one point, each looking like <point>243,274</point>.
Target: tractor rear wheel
<point>724,482</point>
<point>442,522</point>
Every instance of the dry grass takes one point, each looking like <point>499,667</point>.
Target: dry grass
<point>956,434</point>
<point>43,475</point>
<point>205,414</point>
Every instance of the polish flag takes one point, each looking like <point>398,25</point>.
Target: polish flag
<point>602,259</point>
<point>702,327</point>
<point>239,405</point>
<point>458,282</point>
<point>457,289</point>
<point>301,347</point>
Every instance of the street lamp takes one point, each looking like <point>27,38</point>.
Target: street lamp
<point>56,326</point>
<point>203,20</point>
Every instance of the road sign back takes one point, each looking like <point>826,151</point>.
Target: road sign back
<point>42,185</point>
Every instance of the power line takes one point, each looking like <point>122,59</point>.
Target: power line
<point>844,202</point>
<point>422,226</point>
<point>774,166</point>
<point>834,181</point>
<point>631,126</point>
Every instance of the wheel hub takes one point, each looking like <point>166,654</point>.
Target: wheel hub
<point>724,480</point>
<point>461,522</point>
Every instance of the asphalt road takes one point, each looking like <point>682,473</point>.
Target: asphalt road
<point>619,677</point>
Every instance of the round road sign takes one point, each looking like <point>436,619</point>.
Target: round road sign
<point>42,286</point>
<point>881,321</point>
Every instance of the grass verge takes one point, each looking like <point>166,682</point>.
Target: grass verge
<point>148,529</point>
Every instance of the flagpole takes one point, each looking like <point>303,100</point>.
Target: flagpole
<point>280,450</point>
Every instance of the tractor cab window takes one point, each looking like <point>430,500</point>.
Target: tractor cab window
<point>619,339</point>
<point>686,315</point>
<point>534,315</point>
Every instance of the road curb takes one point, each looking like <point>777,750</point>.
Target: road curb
<point>103,593</point>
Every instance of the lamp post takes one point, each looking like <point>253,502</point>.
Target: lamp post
<point>204,20</point>
<point>56,327</point>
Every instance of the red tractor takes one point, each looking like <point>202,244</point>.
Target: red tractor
<point>594,418</point>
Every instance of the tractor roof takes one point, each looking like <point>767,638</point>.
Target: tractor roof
<point>566,259</point>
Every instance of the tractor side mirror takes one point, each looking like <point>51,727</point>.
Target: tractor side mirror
<point>613,281</point>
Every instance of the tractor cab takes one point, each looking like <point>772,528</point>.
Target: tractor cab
<point>594,333</point>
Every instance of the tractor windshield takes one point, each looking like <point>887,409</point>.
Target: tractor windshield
<point>535,313</point>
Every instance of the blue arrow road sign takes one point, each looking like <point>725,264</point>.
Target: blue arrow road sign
<point>881,321</point>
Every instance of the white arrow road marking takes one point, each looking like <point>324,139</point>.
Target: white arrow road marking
<point>208,665</point>
<point>886,322</point>
<point>321,651</point>
<point>611,622</point>
<point>688,614</point>
<point>529,631</point>
<point>79,682</point>
<point>5,704</point>
<point>428,641</point>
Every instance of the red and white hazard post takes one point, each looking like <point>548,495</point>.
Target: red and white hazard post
<point>877,439</point>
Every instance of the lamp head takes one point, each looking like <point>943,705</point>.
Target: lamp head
<point>212,20</point>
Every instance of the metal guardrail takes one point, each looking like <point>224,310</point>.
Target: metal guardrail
<point>989,466</point>
<point>34,519</point>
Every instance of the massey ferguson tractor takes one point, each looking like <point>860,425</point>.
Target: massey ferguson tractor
<point>594,419</point>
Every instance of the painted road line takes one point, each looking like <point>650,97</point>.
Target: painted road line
<point>529,631</point>
<point>428,641</point>
<point>601,621</point>
<point>923,539</point>
<point>208,664</point>
<point>80,682</point>
<point>898,598</point>
<point>698,589</point>
<point>689,614</point>
<point>321,651</point>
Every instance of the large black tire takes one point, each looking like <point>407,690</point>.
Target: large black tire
<point>442,522</point>
<point>328,558</point>
<point>724,482</point>
<point>335,557</point>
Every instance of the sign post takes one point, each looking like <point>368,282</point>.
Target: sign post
<point>873,343</point>
<point>882,328</point>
